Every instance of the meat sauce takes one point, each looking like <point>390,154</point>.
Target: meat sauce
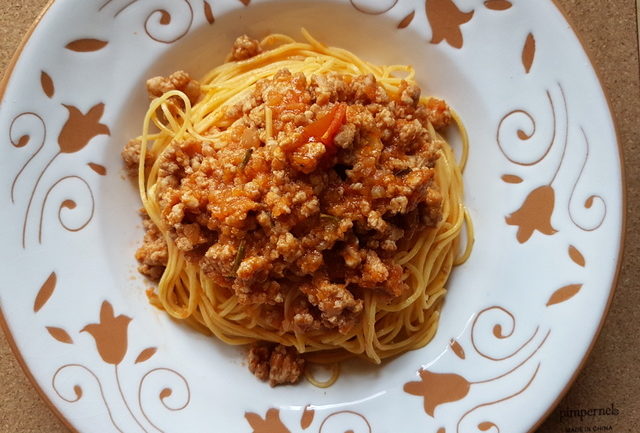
<point>313,208</point>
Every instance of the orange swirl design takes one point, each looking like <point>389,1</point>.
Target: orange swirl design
<point>23,141</point>
<point>66,204</point>
<point>589,201</point>
<point>522,136</point>
<point>162,396</point>
<point>509,397</point>
<point>349,412</point>
<point>77,389</point>
<point>161,17</point>
<point>498,333</point>
<point>438,389</point>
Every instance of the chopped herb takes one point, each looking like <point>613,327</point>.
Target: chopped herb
<point>247,157</point>
<point>403,172</point>
<point>238,260</point>
<point>331,218</point>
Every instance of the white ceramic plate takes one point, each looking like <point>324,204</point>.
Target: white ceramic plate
<point>544,187</point>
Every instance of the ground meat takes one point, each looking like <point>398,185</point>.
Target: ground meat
<point>244,48</point>
<point>262,211</point>
<point>190,236</point>
<point>276,363</point>
<point>339,309</point>
<point>153,253</point>
<point>438,113</point>
<point>344,138</point>
<point>180,80</point>
<point>314,209</point>
<point>131,156</point>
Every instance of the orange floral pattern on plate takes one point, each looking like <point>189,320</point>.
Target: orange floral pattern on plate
<point>111,338</point>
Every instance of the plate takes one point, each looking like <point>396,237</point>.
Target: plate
<point>544,187</point>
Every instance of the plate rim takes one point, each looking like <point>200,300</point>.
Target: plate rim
<point>622,236</point>
<point>4,82</point>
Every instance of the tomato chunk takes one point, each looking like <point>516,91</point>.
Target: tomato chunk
<point>325,128</point>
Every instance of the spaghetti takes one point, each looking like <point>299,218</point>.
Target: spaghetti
<point>304,197</point>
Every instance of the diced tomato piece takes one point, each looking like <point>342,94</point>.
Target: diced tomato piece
<point>325,128</point>
<point>339,117</point>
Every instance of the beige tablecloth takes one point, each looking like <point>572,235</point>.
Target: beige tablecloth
<point>610,378</point>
